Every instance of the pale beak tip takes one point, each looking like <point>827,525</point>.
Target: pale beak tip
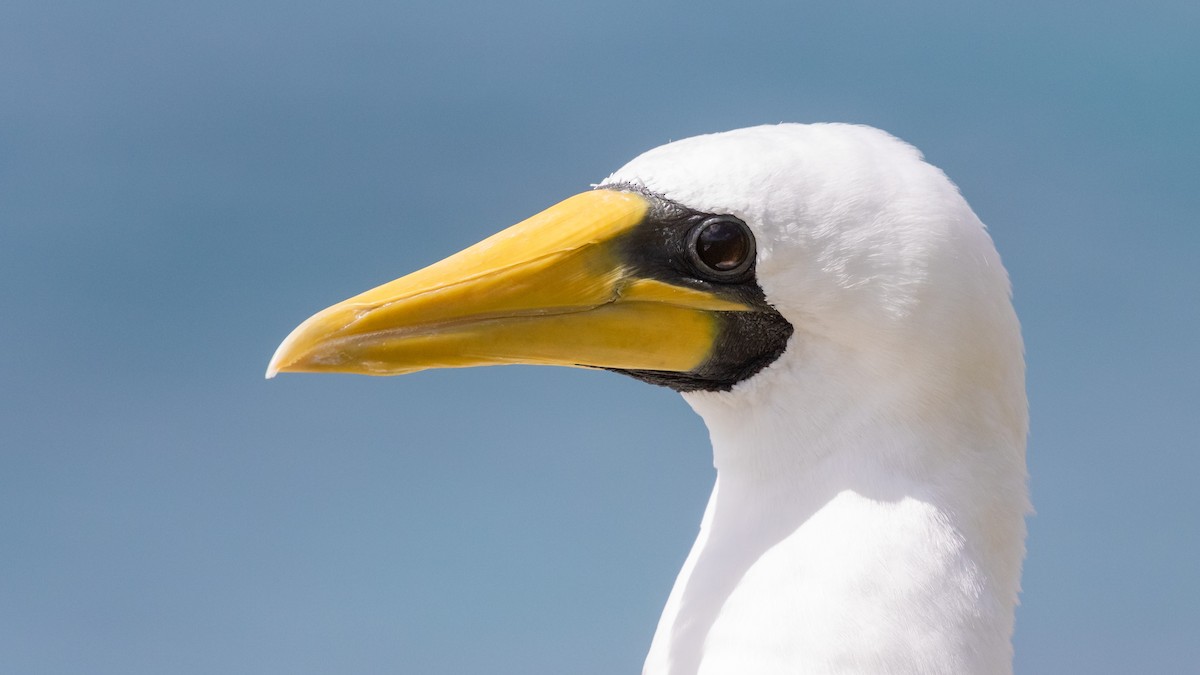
<point>296,349</point>
<point>276,363</point>
<point>273,366</point>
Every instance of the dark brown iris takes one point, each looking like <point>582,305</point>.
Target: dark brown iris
<point>722,247</point>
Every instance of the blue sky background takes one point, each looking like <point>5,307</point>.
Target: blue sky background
<point>182,183</point>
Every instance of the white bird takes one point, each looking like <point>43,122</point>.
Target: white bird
<point>838,315</point>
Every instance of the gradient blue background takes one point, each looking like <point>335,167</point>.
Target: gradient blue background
<point>182,183</point>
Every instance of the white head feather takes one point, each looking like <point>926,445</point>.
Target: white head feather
<point>869,509</point>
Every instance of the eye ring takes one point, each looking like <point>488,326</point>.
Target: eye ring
<point>721,248</point>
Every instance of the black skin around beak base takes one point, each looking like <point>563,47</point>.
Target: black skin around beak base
<point>746,342</point>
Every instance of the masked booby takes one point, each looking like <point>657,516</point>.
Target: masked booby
<point>834,310</point>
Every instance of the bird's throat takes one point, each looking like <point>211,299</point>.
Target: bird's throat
<point>834,578</point>
<point>818,552</point>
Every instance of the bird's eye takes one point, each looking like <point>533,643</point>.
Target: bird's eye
<point>721,247</point>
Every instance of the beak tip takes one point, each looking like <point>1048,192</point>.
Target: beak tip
<point>294,347</point>
<point>277,359</point>
<point>273,366</point>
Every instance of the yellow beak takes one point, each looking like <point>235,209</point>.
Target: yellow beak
<point>551,290</point>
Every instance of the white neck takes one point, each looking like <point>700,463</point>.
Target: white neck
<point>851,531</point>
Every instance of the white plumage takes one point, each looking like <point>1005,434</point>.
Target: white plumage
<point>839,317</point>
<point>868,513</point>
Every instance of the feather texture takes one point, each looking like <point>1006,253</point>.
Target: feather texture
<point>868,513</point>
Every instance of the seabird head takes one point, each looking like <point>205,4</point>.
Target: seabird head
<point>832,307</point>
<point>889,284</point>
<point>701,264</point>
